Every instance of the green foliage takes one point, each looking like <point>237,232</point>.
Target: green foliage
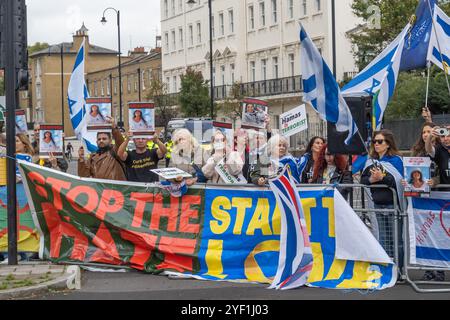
<point>194,94</point>
<point>231,106</point>
<point>38,46</point>
<point>371,40</point>
<point>409,97</point>
<point>2,86</point>
<point>158,93</point>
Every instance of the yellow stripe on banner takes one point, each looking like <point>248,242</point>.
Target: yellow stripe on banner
<point>328,203</point>
<point>213,259</point>
<point>252,270</point>
<point>363,277</point>
<point>318,263</point>
<point>307,204</point>
<point>336,270</point>
<point>26,242</point>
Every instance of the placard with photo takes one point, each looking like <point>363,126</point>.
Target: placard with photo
<point>98,111</point>
<point>21,122</point>
<point>254,113</point>
<point>141,119</point>
<point>417,174</point>
<point>51,141</point>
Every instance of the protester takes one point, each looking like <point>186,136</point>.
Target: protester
<point>440,153</point>
<point>105,163</point>
<point>188,155</point>
<point>169,146</point>
<point>278,158</point>
<point>223,153</point>
<point>140,161</point>
<point>306,162</point>
<point>332,169</point>
<point>385,167</point>
<point>69,150</point>
<point>241,145</point>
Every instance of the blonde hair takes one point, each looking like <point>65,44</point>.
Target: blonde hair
<point>186,134</point>
<point>27,144</point>
<point>275,141</point>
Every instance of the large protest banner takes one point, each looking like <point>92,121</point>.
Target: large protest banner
<point>429,230</point>
<point>210,233</point>
<point>28,236</point>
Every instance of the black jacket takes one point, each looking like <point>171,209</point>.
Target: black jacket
<point>339,177</point>
<point>380,196</point>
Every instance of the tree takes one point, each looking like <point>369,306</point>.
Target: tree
<point>158,94</point>
<point>231,106</point>
<point>194,94</point>
<point>392,16</point>
<point>2,86</point>
<point>38,46</point>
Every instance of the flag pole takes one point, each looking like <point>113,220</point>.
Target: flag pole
<point>428,83</point>
<point>439,46</point>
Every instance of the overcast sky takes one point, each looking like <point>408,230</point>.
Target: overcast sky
<point>54,21</point>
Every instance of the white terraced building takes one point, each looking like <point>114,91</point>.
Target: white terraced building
<point>256,43</point>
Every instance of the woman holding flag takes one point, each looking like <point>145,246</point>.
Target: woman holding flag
<point>385,167</point>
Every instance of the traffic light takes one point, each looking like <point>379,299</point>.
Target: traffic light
<point>19,35</point>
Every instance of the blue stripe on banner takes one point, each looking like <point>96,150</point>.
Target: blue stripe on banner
<point>80,58</point>
<point>430,204</point>
<point>310,84</point>
<point>76,119</point>
<point>437,55</point>
<point>383,63</point>
<point>433,254</point>
<point>444,25</point>
<point>331,95</point>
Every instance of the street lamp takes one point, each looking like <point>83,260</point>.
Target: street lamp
<point>103,21</point>
<point>191,3</point>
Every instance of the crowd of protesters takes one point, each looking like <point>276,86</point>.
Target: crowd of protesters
<point>255,157</point>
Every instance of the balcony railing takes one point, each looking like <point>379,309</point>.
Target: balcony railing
<point>265,88</point>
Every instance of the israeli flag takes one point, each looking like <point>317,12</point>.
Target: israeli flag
<point>321,89</point>
<point>379,78</point>
<point>77,95</point>
<point>440,40</point>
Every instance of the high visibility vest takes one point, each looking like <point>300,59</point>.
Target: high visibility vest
<point>169,145</point>
<point>152,145</point>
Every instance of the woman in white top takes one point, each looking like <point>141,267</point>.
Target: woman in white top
<point>138,122</point>
<point>95,116</point>
<point>48,144</point>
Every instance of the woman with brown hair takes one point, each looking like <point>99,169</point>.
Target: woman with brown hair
<point>306,162</point>
<point>332,169</point>
<point>385,167</point>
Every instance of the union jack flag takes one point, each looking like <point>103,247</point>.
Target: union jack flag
<point>296,260</point>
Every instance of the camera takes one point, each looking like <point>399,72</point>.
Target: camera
<point>443,132</point>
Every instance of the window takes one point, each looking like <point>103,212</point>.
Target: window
<point>116,83</point>
<point>180,37</point>
<point>214,77</point>
<point>129,84</point>
<point>38,91</point>
<point>136,82</point>
<point>318,5</point>
<point>143,80</point>
<point>262,14</point>
<point>221,26</point>
<point>275,67</point>
<point>166,42</point>
<point>108,87</point>
<point>232,73</point>
<point>102,88</point>
<point>222,70</point>
<point>251,14</point>
<point>213,30</point>
<point>264,69</point>
<point>291,9</point>
<point>231,20</point>
<point>305,8</point>
<point>199,33</point>
<point>174,43</point>
<point>173,7</point>
<point>274,12</point>
<point>168,82</point>
<point>291,58</point>
<point>149,75</point>
<point>252,71</point>
<point>175,84</point>
<point>180,6</point>
<point>191,35</point>
<point>95,89</point>
<point>166,9</point>
<point>320,50</point>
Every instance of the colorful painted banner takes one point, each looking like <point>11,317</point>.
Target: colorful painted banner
<point>214,233</point>
<point>28,236</point>
<point>429,230</point>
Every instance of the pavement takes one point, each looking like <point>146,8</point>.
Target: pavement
<point>30,279</point>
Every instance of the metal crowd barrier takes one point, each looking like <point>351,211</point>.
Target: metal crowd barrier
<point>409,267</point>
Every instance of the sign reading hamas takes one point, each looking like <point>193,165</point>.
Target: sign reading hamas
<point>211,233</point>
<point>293,121</point>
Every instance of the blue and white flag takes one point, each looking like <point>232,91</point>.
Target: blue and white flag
<point>296,259</point>
<point>77,95</point>
<point>379,78</point>
<point>440,41</point>
<point>321,89</point>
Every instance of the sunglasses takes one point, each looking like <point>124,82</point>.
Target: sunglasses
<point>381,141</point>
